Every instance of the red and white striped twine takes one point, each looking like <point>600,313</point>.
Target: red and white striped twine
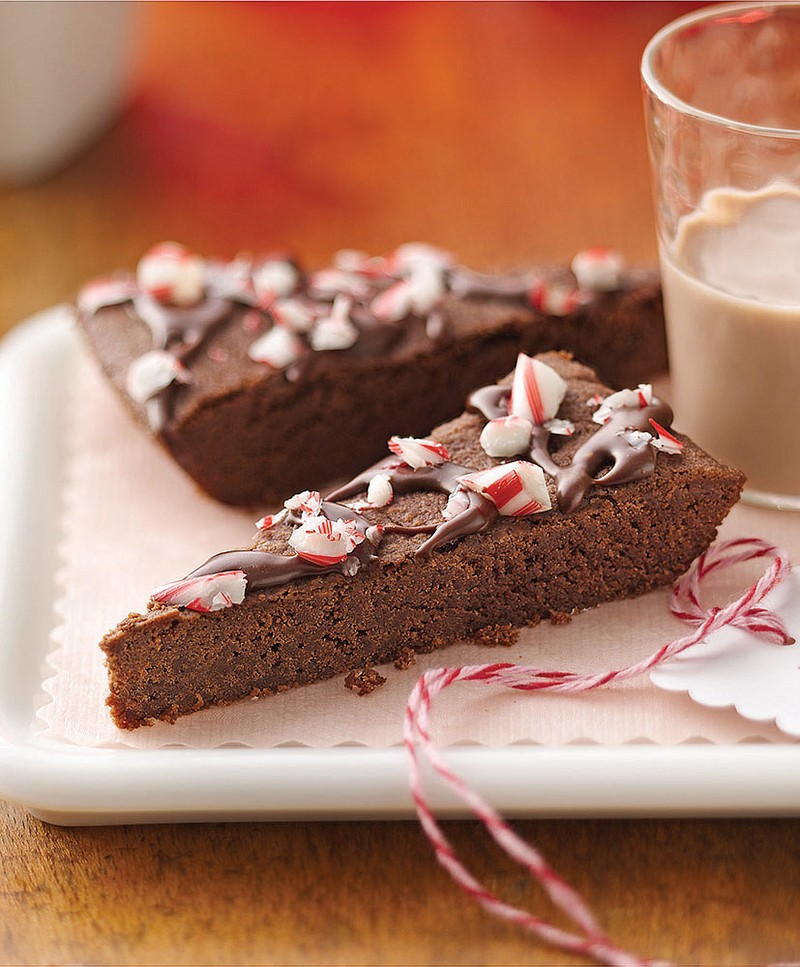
<point>589,940</point>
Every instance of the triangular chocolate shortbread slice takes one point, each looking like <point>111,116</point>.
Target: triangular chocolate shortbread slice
<point>549,495</point>
<point>248,372</point>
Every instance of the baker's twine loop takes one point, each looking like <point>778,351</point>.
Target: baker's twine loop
<point>746,612</point>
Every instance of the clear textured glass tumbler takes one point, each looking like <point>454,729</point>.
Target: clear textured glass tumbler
<point>722,109</point>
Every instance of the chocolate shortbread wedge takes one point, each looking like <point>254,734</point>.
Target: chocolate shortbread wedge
<point>549,495</point>
<point>261,379</point>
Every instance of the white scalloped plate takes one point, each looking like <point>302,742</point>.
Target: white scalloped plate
<point>734,668</point>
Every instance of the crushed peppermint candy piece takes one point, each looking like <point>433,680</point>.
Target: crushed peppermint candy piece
<point>360,263</point>
<point>559,427</point>
<point>630,399</point>
<point>152,372</point>
<point>556,300</point>
<point>209,592</point>
<point>394,303</point>
<point>232,280</point>
<point>457,503</point>
<point>374,534</point>
<point>408,257</point>
<point>277,348</point>
<point>536,391</point>
<point>516,489</point>
<point>172,275</point>
<point>507,436</point>
<point>328,283</point>
<point>418,453</point>
<point>335,331</point>
<point>308,502</point>
<point>325,542</point>
<point>435,326</point>
<point>638,439</point>
<point>293,314</point>
<point>427,287</point>
<point>598,269</point>
<point>271,520</point>
<point>379,491</point>
<point>105,292</point>
<point>275,279</point>
<point>350,260</point>
<point>350,566</point>
<point>665,441</point>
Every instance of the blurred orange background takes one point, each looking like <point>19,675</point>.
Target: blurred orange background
<point>502,131</point>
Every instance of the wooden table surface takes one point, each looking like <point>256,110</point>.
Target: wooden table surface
<point>502,132</point>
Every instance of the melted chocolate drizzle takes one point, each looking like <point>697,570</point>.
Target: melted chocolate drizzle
<point>266,570</point>
<point>465,283</point>
<point>471,512</point>
<point>181,331</point>
<point>605,459</point>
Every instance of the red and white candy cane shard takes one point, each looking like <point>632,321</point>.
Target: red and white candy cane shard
<point>360,263</point>
<point>332,334</point>
<point>271,520</point>
<point>536,391</point>
<point>294,314</point>
<point>335,331</point>
<point>394,303</point>
<point>637,439</point>
<point>406,258</point>
<point>233,279</point>
<point>328,283</point>
<point>665,441</point>
<point>307,502</point>
<point>275,279</point>
<point>457,503</point>
<point>507,436</point>
<point>105,292</point>
<point>516,489</point>
<point>278,348</point>
<point>172,275</point>
<point>587,938</point>
<point>559,427</point>
<point>325,542</point>
<point>379,491</point>
<point>630,399</point>
<point>556,300</point>
<point>209,592</point>
<point>152,372</point>
<point>417,453</point>
<point>427,287</point>
<point>598,269</point>
<point>374,534</point>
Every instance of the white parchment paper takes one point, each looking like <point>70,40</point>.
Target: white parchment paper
<point>132,520</point>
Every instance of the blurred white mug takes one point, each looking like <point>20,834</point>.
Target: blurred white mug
<point>64,70</point>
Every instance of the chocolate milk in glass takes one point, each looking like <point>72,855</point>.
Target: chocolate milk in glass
<point>732,296</point>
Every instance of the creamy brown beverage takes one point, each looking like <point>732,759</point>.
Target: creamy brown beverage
<point>732,297</point>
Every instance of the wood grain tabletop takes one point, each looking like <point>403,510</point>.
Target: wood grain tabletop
<point>503,132</point>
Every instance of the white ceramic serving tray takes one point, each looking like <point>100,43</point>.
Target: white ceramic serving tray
<point>72,785</point>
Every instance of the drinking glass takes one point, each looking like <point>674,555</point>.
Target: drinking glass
<point>722,108</point>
